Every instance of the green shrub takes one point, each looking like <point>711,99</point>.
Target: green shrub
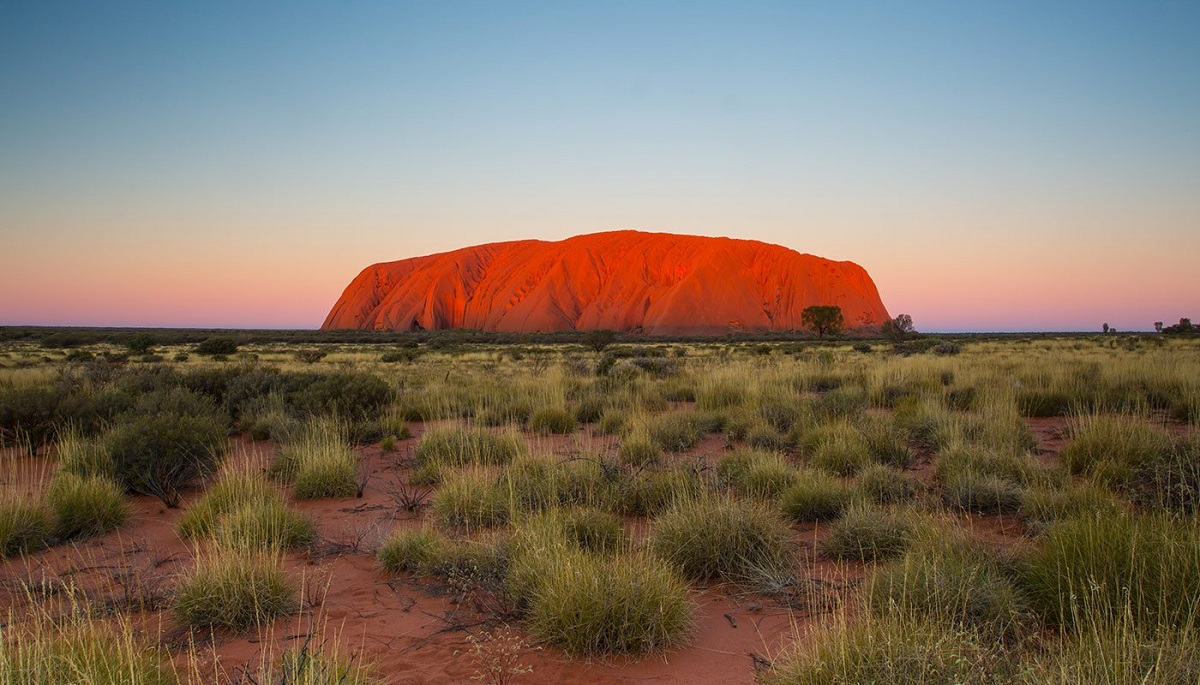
<point>815,496</point>
<point>714,537</point>
<point>350,396</point>
<point>217,345</point>
<point>597,606</point>
<point>867,533</point>
<point>160,454</point>
<point>24,526</point>
<point>30,414</point>
<point>86,506</point>
<point>234,589</point>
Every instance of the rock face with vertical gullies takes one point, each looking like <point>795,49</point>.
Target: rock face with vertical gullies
<point>655,283</point>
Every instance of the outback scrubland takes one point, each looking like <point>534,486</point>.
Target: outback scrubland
<point>972,511</point>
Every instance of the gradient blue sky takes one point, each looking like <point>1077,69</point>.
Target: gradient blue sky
<point>993,165</point>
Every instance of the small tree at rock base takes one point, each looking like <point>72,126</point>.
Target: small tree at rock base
<point>898,327</point>
<point>822,319</point>
<point>599,339</point>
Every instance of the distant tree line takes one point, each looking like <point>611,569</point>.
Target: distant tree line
<point>1184,327</point>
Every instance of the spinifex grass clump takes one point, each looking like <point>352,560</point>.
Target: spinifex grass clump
<point>867,533</point>
<point>24,525</point>
<point>895,650</point>
<point>48,648</point>
<point>81,456</point>
<point>234,588</point>
<point>884,484</point>
<point>233,491</point>
<point>318,462</point>
<point>267,524</point>
<point>764,475</point>
<point>595,605</point>
<point>675,431</point>
<point>951,580</point>
<point>411,549</point>
<point>716,537</point>
<point>1121,655</point>
<point>815,496</point>
<point>453,447</point>
<point>86,506</point>
<point>471,499</point>
<point>582,590</point>
<point>1140,460</point>
<point>552,421</point>
<point>1114,566</point>
<point>837,448</point>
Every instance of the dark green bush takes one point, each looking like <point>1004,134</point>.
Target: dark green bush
<point>160,452</point>
<point>217,345</point>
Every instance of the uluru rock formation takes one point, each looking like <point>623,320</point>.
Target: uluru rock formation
<point>657,283</point>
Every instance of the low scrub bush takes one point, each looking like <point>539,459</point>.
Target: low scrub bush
<point>85,506</point>
<point>234,589</point>
<point>716,537</point>
<point>159,454</point>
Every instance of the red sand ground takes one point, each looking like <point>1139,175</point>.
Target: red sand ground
<point>657,283</point>
<point>416,631</point>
